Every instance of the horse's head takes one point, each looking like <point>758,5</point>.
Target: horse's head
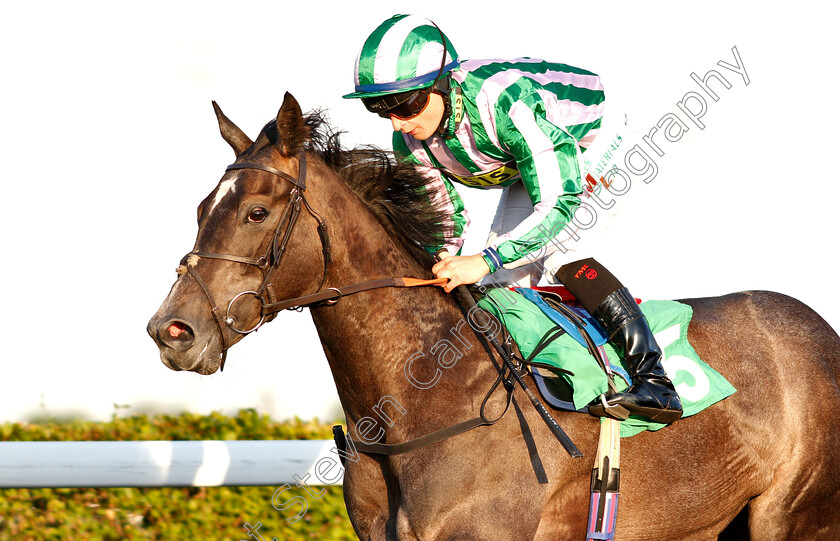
<point>244,233</point>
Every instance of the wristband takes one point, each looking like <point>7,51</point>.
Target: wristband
<point>492,258</point>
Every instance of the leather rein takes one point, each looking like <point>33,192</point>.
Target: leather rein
<point>268,264</point>
<point>271,259</point>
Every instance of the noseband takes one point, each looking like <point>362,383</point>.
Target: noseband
<point>269,261</point>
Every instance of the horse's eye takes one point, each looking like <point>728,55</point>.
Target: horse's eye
<point>258,214</point>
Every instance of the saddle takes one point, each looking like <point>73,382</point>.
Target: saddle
<point>555,389</point>
<point>573,364</point>
<point>558,305</point>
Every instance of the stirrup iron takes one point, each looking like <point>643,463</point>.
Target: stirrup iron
<point>614,411</point>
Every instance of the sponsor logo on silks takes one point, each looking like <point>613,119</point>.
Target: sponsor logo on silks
<point>606,158</point>
<point>592,184</point>
<point>581,271</point>
<point>497,176</point>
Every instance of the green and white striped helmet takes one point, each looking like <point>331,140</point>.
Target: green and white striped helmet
<point>403,53</point>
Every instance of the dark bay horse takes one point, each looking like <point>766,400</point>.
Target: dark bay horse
<point>761,465</point>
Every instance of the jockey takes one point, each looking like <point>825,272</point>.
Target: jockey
<point>521,126</point>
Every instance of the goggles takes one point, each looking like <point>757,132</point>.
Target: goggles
<point>403,105</point>
<point>409,104</point>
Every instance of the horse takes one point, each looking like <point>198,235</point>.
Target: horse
<point>299,221</point>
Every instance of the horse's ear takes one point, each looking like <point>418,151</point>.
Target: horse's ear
<point>291,126</point>
<point>231,133</point>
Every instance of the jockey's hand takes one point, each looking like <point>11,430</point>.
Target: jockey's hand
<point>467,269</point>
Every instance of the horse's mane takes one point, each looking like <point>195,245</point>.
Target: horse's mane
<point>394,191</point>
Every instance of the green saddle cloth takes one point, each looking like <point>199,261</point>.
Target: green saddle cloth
<point>698,384</point>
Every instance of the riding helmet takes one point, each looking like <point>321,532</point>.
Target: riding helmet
<point>406,52</point>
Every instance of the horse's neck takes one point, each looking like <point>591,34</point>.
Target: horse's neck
<point>369,337</point>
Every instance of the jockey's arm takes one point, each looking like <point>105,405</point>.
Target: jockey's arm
<point>547,160</point>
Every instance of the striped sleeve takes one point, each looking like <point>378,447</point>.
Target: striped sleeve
<point>540,115</point>
<point>546,156</point>
<point>441,193</point>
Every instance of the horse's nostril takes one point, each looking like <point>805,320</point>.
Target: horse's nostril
<point>177,329</point>
<point>177,335</point>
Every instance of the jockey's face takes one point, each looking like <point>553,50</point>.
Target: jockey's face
<point>425,124</point>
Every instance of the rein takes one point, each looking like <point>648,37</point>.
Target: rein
<point>270,261</point>
<point>342,440</point>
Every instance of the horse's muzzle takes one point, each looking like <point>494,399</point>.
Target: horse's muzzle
<point>175,334</point>
<point>179,349</point>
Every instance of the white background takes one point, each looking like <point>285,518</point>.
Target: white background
<point>109,142</point>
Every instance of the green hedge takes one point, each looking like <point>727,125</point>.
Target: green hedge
<point>168,513</point>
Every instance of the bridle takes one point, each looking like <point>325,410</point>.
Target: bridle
<point>270,261</point>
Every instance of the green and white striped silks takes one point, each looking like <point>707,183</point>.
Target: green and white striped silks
<point>524,120</point>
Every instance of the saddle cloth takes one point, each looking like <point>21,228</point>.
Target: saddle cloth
<point>698,384</point>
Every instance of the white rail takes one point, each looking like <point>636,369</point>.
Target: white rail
<point>69,464</point>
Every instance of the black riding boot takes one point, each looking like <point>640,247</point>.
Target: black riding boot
<point>652,394</point>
